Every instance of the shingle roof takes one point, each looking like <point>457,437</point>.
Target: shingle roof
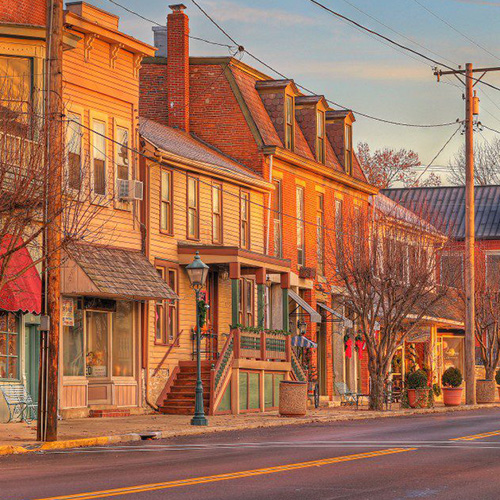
<point>444,207</point>
<point>120,273</point>
<point>182,144</point>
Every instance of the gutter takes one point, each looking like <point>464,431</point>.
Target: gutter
<point>269,205</point>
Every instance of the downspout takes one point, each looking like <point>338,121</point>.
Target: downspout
<point>145,228</point>
<point>269,205</point>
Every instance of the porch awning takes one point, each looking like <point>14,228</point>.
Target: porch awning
<point>315,315</point>
<point>301,341</point>
<point>340,317</point>
<point>113,272</point>
<point>24,291</point>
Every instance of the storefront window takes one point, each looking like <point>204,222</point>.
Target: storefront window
<point>453,353</point>
<point>97,344</point>
<point>123,340</point>
<point>73,357</point>
<point>9,346</point>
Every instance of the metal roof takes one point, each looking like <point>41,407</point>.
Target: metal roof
<point>444,207</point>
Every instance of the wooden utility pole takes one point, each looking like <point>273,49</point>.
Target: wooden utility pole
<point>55,161</point>
<point>471,110</point>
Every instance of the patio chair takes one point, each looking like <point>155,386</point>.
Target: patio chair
<point>347,397</point>
<point>19,402</point>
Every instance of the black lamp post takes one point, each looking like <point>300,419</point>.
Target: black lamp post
<point>197,272</point>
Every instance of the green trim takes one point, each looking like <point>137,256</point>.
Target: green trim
<point>235,300</point>
<point>286,312</point>
<point>260,305</point>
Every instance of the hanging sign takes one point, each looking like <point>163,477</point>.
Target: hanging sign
<point>68,311</point>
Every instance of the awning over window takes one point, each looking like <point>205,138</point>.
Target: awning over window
<point>347,322</point>
<point>113,272</point>
<point>301,341</point>
<point>24,292</point>
<point>315,315</point>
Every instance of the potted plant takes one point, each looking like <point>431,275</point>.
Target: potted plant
<point>417,389</point>
<point>451,381</point>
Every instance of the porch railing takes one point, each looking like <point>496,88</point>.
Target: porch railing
<point>263,346</point>
<point>220,373</point>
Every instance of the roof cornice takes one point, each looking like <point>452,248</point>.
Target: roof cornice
<point>313,166</point>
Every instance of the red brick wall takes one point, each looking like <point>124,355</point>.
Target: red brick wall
<point>153,100</point>
<point>178,69</point>
<point>216,116</point>
<point>23,12</point>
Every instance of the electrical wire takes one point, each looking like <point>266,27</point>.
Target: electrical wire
<point>456,29</point>
<point>302,87</point>
<point>393,42</point>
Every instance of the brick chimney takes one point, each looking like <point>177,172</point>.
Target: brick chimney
<point>178,67</point>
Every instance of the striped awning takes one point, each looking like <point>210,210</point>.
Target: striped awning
<point>301,341</point>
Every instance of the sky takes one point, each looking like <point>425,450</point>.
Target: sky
<point>353,68</point>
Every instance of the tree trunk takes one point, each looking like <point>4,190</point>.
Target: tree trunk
<point>377,396</point>
<point>489,373</point>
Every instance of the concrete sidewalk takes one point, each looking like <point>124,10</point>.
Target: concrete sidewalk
<point>20,437</point>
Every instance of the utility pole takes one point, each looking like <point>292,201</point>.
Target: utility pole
<point>52,246</point>
<point>471,110</point>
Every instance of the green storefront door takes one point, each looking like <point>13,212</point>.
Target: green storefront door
<point>32,360</point>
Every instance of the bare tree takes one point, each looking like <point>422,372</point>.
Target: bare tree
<point>385,267</point>
<point>24,188</point>
<point>486,164</point>
<point>387,167</point>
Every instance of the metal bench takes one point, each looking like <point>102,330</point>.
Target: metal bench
<point>347,397</point>
<point>19,402</point>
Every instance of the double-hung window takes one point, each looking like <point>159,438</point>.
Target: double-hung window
<point>99,157</point>
<point>9,346</point>
<point>452,270</point>
<point>122,153</point>
<point>339,232</point>
<point>167,318</point>
<point>245,219</point>
<point>493,271</point>
<point>216,213</point>
<point>289,122</point>
<point>277,218</point>
<point>320,240</point>
<point>166,210</point>
<point>300,226</point>
<point>320,140</point>
<point>74,152</point>
<point>193,215</point>
<point>348,149</point>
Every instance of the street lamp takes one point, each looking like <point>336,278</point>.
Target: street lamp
<point>197,272</point>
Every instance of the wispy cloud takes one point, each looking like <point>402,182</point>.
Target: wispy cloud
<point>231,11</point>
<point>480,2</point>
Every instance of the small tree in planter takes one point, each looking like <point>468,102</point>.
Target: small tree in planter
<point>497,379</point>
<point>452,392</point>
<point>417,389</point>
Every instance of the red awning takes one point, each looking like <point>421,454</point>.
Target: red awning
<point>24,293</point>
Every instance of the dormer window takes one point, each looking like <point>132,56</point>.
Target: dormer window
<point>348,149</point>
<point>320,139</point>
<point>289,122</point>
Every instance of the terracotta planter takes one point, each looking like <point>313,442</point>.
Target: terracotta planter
<point>485,391</point>
<point>452,396</point>
<point>417,398</point>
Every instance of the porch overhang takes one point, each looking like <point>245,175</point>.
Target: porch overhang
<point>214,254</point>
<point>314,315</point>
<point>340,317</point>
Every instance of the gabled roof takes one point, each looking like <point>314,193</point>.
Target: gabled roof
<point>444,207</point>
<point>184,145</point>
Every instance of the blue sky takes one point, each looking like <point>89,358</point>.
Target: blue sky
<point>352,68</point>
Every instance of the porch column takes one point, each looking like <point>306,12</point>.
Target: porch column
<point>234,275</point>
<point>285,285</point>
<point>260,277</point>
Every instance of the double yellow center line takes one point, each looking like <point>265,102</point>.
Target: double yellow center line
<point>226,477</point>
<point>476,436</point>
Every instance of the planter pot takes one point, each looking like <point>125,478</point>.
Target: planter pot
<point>485,391</point>
<point>452,396</point>
<point>417,398</point>
<point>293,398</point>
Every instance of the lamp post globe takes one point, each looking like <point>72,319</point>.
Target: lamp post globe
<point>197,272</point>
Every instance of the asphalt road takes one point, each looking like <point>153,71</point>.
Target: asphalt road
<point>391,458</point>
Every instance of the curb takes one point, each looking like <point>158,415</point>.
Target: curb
<point>138,436</point>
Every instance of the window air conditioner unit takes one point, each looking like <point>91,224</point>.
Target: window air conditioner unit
<point>129,189</point>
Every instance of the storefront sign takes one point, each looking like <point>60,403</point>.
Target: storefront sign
<point>68,311</point>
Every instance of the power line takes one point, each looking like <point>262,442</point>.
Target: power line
<point>456,29</point>
<point>398,32</point>
<point>391,41</point>
<point>114,2</point>
<point>383,120</point>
